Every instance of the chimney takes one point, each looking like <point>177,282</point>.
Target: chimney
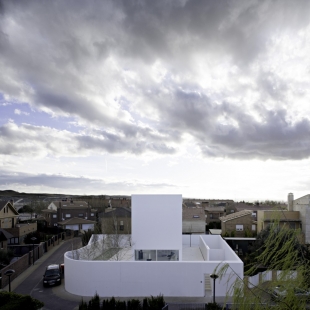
<point>290,202</point>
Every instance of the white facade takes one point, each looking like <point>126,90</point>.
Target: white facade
<point>157,223</point>
<point>199,256</point>
<point>302,205</point>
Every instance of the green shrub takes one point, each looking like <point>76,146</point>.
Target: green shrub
<point>156,303</point>
<point>145,304</point>
<point>13,301</point>
<point>83,305</point>
<point>152,303</point>
<point>94,303</point>
<point>111,304</point>
<point>6,256</point>
<point>213,306</point>
<point>119,305</point>
<point>133,304</point>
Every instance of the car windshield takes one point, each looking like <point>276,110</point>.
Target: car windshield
<point>51,272</point>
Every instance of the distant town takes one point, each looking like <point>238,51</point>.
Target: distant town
<point>151,228</point>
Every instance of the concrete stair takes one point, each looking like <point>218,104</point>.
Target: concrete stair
<point>207,282</point>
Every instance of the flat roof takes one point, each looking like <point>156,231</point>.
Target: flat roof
<point>191,254</point>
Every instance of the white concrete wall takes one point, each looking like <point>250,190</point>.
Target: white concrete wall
<point>253,281</point>
<point>157,222</point>
<point>135,278</point>
<point>205,250</point>
<point>266,275</point>
<point>213,241</point>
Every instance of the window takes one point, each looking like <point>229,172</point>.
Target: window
<point>121,225</point>
<point>68,215</point>
<point>196,216</point>
<point>292,225</point>
<point>92,214</point>
<point>54,216</point>
<point>81,214</point>
<point>157,255</point>
<point>211,216</point>
<point>239,227</point>
<point>254,227</point>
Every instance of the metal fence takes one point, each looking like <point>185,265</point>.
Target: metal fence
<point>193,306</point>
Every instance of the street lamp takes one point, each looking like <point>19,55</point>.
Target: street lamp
<point>214,277</point>
<point>33,239</point>
<point>8,273</point>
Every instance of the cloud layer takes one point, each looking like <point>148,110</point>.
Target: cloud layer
<point>137,77</point>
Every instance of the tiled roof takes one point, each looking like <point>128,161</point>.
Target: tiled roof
<point>6,234</point>
<point>235,215</point>
<point>5,203</point>
<point>116,212</point>
<point>193,214</point>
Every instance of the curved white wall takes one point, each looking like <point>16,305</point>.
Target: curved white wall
<point>135,278</point>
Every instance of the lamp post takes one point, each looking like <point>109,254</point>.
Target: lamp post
<point>33,239</point>
<point>8,273</point>
<point>214,277</point>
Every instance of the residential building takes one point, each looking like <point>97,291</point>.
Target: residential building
<point>8,215</point>
<point>4,238</point>
<point>116,220</point>
<point>215,208</point>
<point>302,205</point>
<point>193,220</point>
<point>240,206</point>
<point>289,218</point>
<point>157,259</point>
<point>70,214</point>
<point>8,222</point>
<point>119,201</point>
<point>238,224</point>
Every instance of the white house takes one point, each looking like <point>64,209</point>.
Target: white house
<point>155,259</point>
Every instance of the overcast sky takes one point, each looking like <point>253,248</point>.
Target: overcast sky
<point>208,99</point>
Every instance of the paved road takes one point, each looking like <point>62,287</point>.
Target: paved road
<point>53,297</point>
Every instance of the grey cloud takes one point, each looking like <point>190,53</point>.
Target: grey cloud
<point>275,137</point>
<point>60,58</point>
<point>70,183</point>
<point>27,140</point>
